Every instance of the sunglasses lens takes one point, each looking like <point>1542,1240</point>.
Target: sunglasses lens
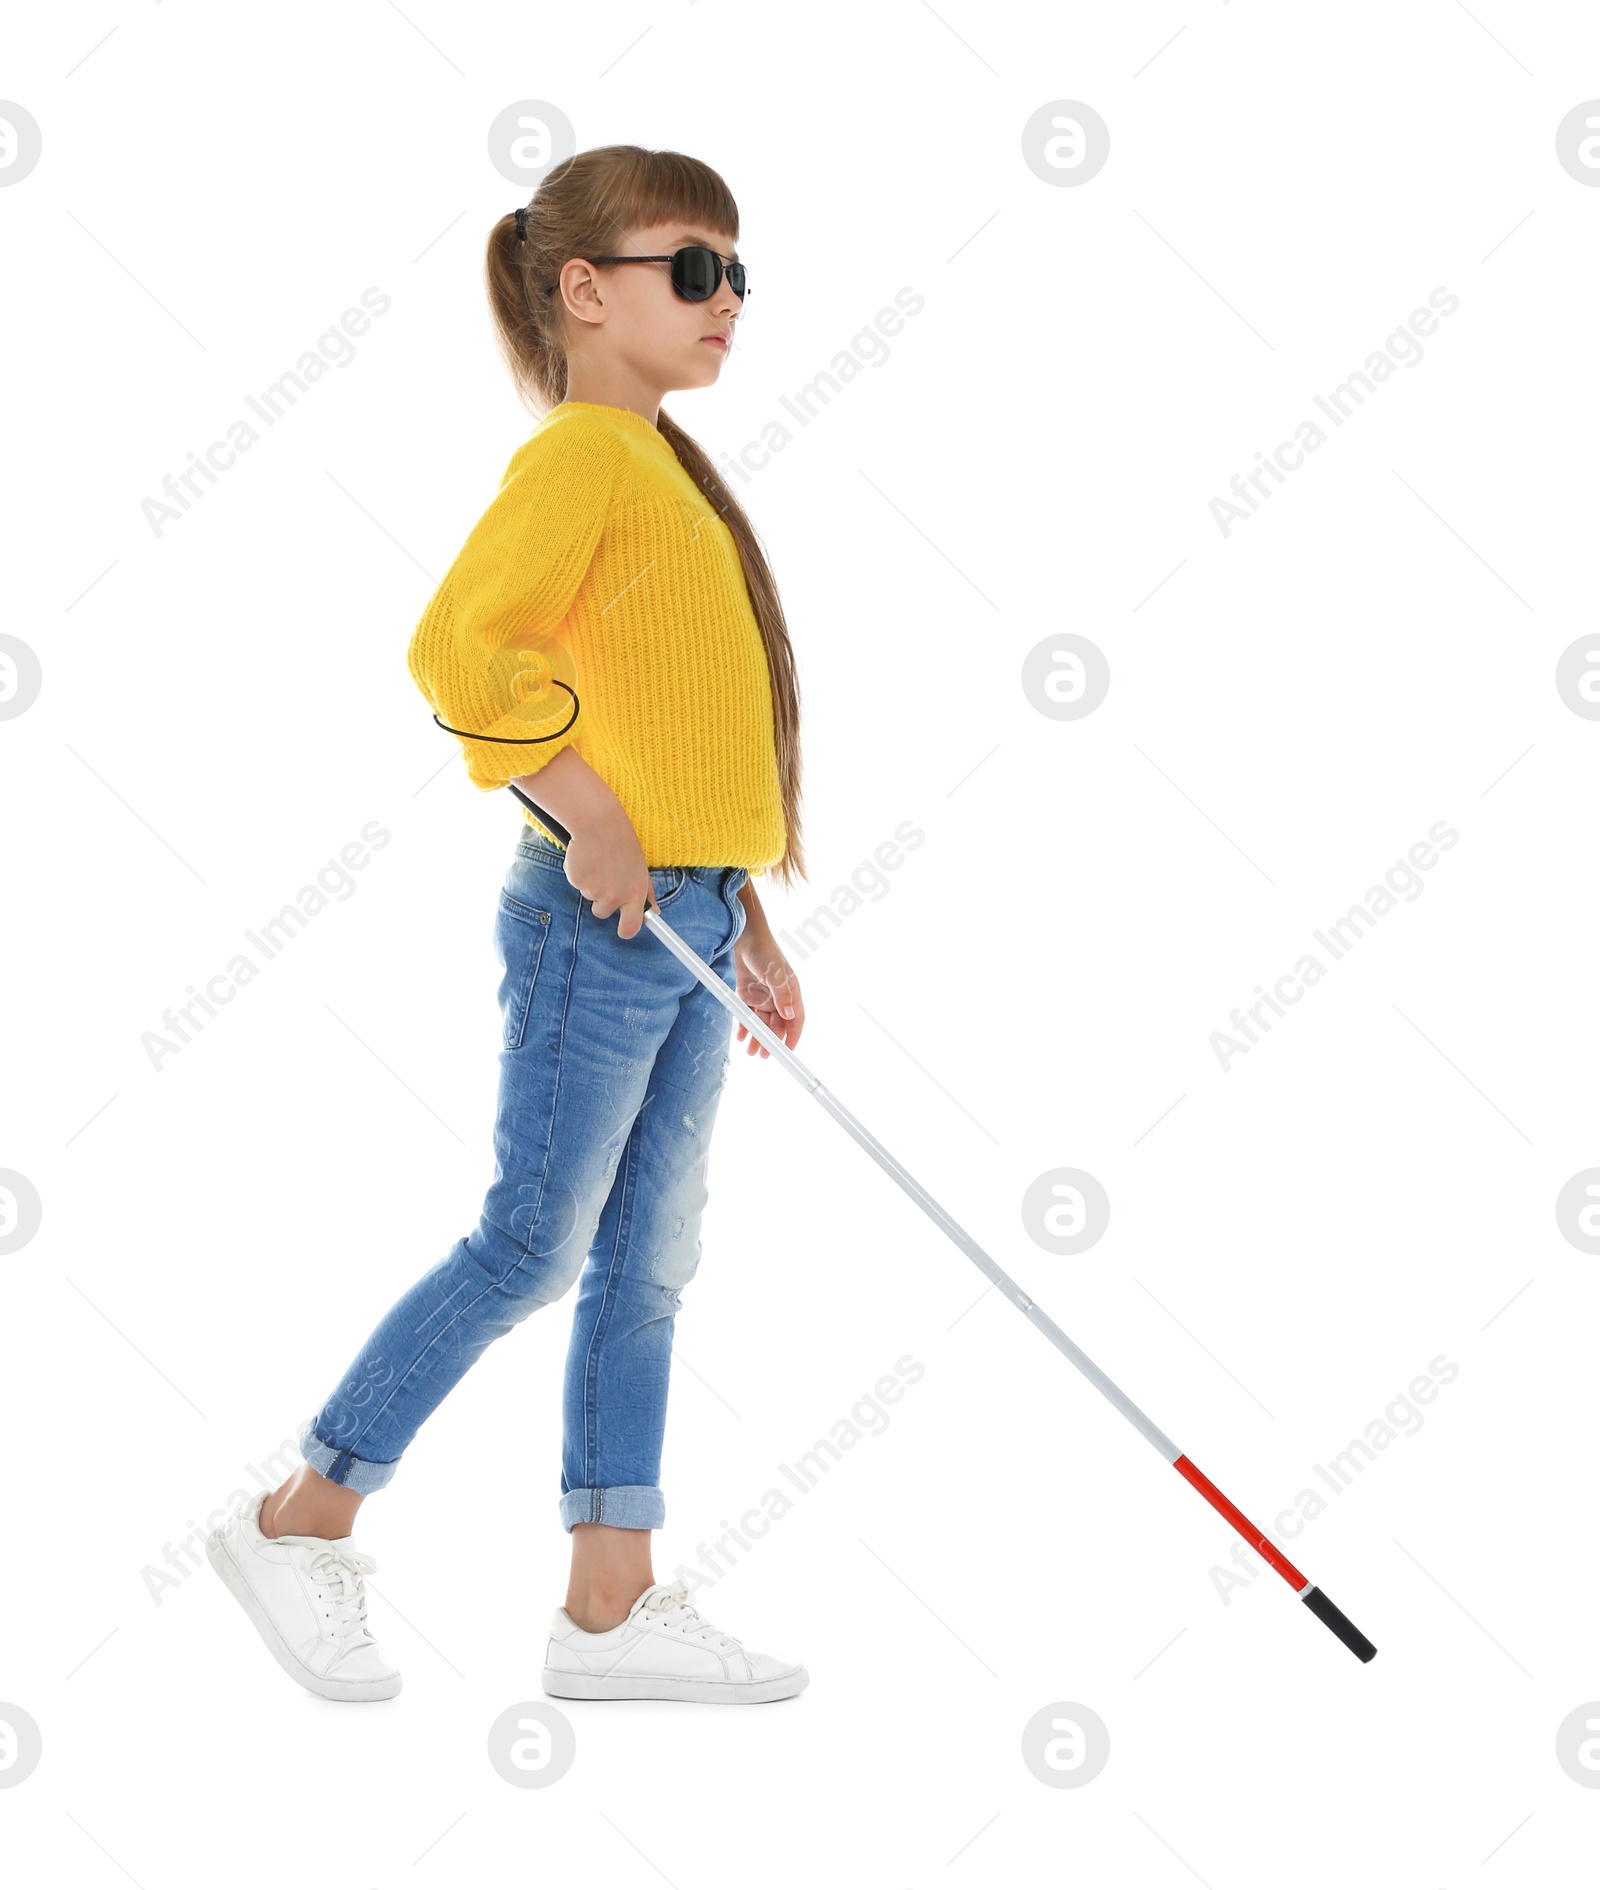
<point>695,273</point>
<point>736,279</point>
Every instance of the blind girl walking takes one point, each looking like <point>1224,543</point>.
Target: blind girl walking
<point>613,540</point>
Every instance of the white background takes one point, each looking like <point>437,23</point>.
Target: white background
<point>1291,707</point>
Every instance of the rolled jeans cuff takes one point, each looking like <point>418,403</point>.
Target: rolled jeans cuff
<point>623,1506</point>
<point>343,1467</point>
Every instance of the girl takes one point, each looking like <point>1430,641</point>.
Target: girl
<point>613,541</point>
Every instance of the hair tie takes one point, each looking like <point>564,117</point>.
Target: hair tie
<point>522,224</point>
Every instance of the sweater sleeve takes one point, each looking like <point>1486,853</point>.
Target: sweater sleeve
<point>516,576</point>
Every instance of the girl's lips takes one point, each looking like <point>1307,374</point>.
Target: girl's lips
<point>716,341</point>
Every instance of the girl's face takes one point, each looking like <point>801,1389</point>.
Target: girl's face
<point>629,316</point>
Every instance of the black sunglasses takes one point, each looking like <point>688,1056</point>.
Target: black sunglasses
<point>696,271</point>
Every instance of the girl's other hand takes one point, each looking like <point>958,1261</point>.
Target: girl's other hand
<point>605,862</point>
<point>767,983</point>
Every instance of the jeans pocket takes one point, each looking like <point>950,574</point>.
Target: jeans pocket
<point>668,881</point>
<point>520,934</point>
<point>741,915</point>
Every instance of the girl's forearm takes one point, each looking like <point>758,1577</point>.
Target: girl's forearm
<point>571,790</point>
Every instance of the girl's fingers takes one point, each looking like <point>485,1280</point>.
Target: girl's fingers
<point>777,1003</point>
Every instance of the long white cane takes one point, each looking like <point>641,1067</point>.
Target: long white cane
<point>1312,1596</point>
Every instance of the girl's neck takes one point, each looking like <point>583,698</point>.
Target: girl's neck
<point>614,390</point>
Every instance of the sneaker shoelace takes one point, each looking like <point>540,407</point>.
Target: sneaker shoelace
<point>673,1608</point>
<point>341,1574</point>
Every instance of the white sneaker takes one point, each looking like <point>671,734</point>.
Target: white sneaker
<point>308,1599</point>
<point>663,1651</point>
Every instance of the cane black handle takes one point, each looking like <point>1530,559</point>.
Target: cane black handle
<point>549,820</point>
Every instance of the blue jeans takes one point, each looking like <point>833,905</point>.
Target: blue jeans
<point>612,1063</point>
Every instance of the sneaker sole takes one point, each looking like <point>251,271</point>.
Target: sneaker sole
<point>594,1686</point>
<point>233,1578</point>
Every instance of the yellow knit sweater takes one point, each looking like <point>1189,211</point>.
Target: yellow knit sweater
<point>599,540</point>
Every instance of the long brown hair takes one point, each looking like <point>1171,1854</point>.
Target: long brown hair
<point>588,204</point>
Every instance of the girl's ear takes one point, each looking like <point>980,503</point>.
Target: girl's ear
<point>582,291</point>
